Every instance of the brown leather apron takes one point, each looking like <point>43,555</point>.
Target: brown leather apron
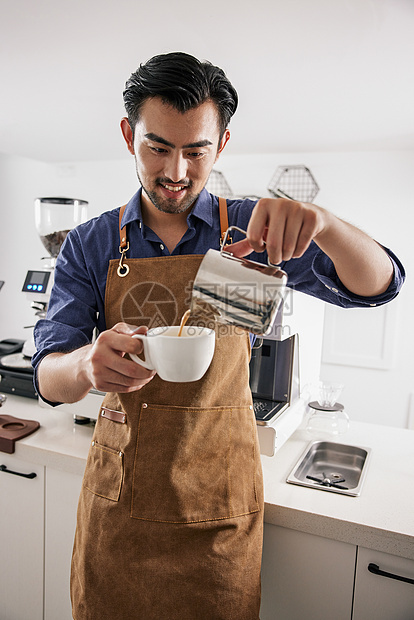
<point>171,508</point>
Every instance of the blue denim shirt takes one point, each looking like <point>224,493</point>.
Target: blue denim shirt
<point>77,302</point>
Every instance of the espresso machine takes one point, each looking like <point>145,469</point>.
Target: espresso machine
<point>284,367</point>
<point>54,218</point>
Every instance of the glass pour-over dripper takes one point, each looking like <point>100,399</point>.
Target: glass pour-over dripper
<point>327,415</point>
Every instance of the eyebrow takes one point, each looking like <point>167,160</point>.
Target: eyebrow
<point>192,145</point>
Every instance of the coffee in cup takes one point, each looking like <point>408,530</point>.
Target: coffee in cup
<point>177,358</point>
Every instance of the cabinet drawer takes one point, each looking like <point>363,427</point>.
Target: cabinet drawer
<point>21,539</point>
<point>306,576</point>
<point>383,597</point>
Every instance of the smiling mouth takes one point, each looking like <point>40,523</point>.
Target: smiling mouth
<point>174,188</point>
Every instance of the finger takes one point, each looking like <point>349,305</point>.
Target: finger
<point>110,365</point>
<point>113,386</point>
<point>121,372</point>
<point>274,239</point>
<point>119,339</point>
<point>126,328</point>
<point>129,370</point>
<point>258,223</point>
<point>292,233</point>
<point>239,249</point>
<point>307,233</point>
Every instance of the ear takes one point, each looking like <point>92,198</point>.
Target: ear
<point>224,140</point>
<point>127,133</point>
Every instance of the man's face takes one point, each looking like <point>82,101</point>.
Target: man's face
<point>175,152</point>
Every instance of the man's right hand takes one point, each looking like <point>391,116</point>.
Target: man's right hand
<point>103,365</point>
<point>106,365</point>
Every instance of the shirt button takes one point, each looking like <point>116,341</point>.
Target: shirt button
<point>161,246</point>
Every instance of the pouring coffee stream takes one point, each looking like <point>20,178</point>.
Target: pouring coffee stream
<point>183,321</point>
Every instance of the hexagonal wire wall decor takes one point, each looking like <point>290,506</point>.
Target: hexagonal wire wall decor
<point>295,182</point>
<point>217,185</point>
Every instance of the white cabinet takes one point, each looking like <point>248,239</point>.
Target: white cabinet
<point>37,526</point>
<point>21,540</point>
<point>306,576</point>
<point>381,597</point>
<point>62,493</point>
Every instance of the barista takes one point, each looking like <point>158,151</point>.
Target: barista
<point>171,509</point>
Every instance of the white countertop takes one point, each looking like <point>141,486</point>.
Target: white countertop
<point>58,443</point>
<point>380,518</point>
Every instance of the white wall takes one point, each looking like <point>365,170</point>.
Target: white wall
<point>375,191</point>
<point>21,181</point>
<point>105,185</point>
<point>372,190</point>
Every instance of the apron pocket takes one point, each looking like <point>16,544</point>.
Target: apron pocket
<point>194,464</point>
<point>104,471</point>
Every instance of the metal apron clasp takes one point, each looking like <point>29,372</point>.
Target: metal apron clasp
<point>123,268</point>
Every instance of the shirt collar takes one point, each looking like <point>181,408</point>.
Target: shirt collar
<point>202,209</point>
<point>133,209</point>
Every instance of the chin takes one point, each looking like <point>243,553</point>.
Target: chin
<point>170,206</point>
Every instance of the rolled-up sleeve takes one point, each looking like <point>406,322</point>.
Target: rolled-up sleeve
<point>322,281</point>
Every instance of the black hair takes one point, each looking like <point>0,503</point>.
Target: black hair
<point>183,82</point>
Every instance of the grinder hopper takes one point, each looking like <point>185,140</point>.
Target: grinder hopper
<point>55,217</point>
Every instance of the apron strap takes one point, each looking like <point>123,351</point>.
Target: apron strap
<point>224,220</point>
<point>123,268</point>
<point>122,231</point>
<point>224,224</point>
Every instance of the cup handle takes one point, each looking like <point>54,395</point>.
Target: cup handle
<point>137,359</point>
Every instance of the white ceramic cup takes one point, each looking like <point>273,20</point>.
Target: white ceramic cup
<point>177,358</point>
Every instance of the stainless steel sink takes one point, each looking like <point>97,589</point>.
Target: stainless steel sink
<point>330,466</point>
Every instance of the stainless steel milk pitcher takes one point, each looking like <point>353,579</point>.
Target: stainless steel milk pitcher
<point>240,292</point>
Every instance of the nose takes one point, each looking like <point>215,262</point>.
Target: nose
<point>176,167</point>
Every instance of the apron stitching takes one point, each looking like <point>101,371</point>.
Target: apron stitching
<point>112,499</point>
<point>231,516</point>
<point>153,406</point>
<point>170,259</point>
<point>114,451</point>
<point>108,283</point>
<point>174,258</point>
<point>135,460</point>
<point>254,461</point>
<point>228,465</point>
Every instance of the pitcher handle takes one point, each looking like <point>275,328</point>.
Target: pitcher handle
<point>223,252</point>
